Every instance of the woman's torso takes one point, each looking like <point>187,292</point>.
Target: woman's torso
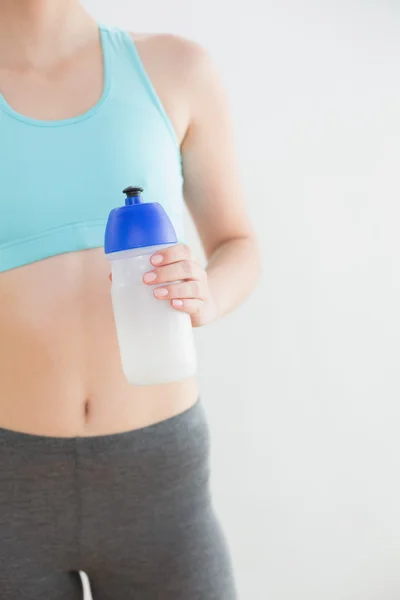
<point>60,369</point>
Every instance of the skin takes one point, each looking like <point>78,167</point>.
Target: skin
<point>60,371</point>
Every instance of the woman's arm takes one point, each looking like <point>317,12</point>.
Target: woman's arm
<point>213,191</point>
<point>214,197</point>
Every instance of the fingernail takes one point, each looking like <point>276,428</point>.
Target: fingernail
<point>156,259</point>
<point>161,292</point>
<point>110,277</point>
<point>149,277</point>
<point>177,303</point>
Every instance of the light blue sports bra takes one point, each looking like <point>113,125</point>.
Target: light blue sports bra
<point>60,179</point>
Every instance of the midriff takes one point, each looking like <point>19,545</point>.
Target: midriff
<point>60,367</point>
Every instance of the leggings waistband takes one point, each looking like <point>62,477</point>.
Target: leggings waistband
<point>186,422</point>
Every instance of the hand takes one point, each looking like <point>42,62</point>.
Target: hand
<point>192,294</point>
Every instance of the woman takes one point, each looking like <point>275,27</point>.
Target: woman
<point>95,474</point>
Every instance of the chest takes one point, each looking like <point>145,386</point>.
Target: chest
<point>70,89</point>
<point>75,87</point>
<point>71,139</point>
<point>53,176</point>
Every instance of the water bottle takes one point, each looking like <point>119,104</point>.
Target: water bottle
<point>155,340</point>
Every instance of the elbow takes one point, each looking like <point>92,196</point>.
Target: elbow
<point>253,258</point>
<point>256,259</point>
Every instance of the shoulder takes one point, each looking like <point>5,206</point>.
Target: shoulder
<point>184,77</point>
<point>180,57</point>
<point>172,47</point>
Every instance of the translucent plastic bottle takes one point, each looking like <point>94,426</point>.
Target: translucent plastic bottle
<point>156,341</point>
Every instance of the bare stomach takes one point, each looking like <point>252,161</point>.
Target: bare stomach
<point>60,368</point>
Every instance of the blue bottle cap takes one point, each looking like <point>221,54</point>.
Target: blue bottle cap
<point>137,224</point>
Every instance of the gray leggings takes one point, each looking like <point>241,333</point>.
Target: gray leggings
<point>132,510</point>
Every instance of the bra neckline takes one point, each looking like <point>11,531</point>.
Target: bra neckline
<point>78,118</point>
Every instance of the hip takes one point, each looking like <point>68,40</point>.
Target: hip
<point>132,510</point>
<point>69,489</point>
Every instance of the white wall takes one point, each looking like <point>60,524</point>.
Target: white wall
<point>302,384</point>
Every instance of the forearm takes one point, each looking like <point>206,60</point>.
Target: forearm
<point>233,270</point>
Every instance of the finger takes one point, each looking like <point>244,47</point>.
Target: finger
<point>170,255</point>
<point>188,289</point>
<point>184,269</point>
<point>190,306</point>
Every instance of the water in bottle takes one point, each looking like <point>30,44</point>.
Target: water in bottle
<point>155,340</point>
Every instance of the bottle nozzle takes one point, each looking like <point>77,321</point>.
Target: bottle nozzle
<point>133,195</point>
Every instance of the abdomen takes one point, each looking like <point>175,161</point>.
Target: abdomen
<point>60,368</point>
